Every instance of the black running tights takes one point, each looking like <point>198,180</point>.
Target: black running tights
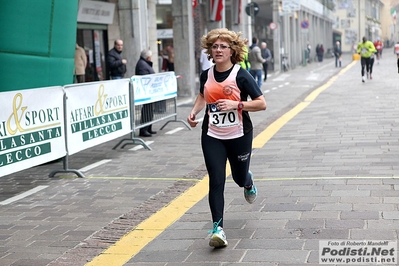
<point>216,153</point>
<point>365,61</point>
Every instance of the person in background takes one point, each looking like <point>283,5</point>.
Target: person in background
<point>320,53</point>
<point>256,60</point>
<point>144,67</point>
<point>365,48</point>
<point>338,54</point>
<point>224,92</point>
<point>308,49</point>
<point>245,63</point>
<point>116,64</point>
<point>378,46</point>
<point>205,60</point>
<point>265,52</point>
<point>80,64</point>
<point>169,50</point>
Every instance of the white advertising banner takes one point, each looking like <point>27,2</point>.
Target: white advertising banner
<point>31,128</point>
<point>154,87</point>
<point>97,112</point>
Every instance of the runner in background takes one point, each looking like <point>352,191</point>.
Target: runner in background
<point>396,51</point>
<point>378,46</point>
<point>365,48</point>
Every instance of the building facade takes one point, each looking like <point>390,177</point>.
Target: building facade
<point>156,24</point>
<point>373,19</point>
<point>286,25</point>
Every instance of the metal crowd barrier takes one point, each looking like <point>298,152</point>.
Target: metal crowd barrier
<point>35,130</point>
<point>152,107</point>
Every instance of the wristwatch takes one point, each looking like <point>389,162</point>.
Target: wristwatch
<point>240,106</point>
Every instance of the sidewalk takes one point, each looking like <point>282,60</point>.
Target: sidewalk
<point>329,173</point>
<point>325,172</point>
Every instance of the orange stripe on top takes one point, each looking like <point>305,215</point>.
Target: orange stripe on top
<point>226,89</point>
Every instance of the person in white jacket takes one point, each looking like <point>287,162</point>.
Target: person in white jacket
<point>205,61</point>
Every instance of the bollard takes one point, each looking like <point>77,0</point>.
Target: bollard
<point>356,57</point>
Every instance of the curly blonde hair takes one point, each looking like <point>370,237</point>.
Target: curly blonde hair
<point>234,40</point>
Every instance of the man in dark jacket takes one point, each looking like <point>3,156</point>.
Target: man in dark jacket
<point>116,64</point>
<point>144,67</point>
<point>267,55</point>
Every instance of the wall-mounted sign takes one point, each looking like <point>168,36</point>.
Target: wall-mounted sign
<point>96,12</point>
<point>165,34</point>
<point>291,5</point>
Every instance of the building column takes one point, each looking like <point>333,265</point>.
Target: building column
<point>183,44</point>
<point>134,35</point>
<point>277,36</point>
<point>152,32</point>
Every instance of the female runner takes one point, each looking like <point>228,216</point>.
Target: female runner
<point>227,128</point>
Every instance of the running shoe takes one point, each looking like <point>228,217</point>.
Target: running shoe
<point>371,76</point>
<point>251,194</point>
<point>363,79</point>
<point>218,237</point>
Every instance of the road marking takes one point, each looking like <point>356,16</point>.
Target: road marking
<point>313,76</point>
<point>281,77</point>
<point>172,179</point>
<point>23,195</point>
<point>271,130</point>
<point>188,101</point>
<point>94,165</point>
<point>131,243</point>
<point>141,146</point>
<point>174,130</point>
<point>319,178</point>
<point>134,241</point>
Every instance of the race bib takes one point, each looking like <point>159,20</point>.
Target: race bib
<point>364,50</point>
<point>222,119</point>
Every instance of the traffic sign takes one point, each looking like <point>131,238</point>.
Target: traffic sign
<point>252,7</point>
<point>272,26</point>
<point>304,24</point>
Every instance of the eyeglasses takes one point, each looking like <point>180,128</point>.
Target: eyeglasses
<point>222,47</point>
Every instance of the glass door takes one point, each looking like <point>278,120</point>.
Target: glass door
<point>95,44</point>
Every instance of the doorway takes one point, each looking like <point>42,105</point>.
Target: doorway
<point>95,44</point>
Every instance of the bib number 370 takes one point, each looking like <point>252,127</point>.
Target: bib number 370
<point>224,118</point>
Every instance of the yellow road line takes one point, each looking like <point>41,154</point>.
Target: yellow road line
<point>172,179</point>
<point>131,243</point>
<point>134,241</point>
<point>319,178</point>
<point>271,130</point>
